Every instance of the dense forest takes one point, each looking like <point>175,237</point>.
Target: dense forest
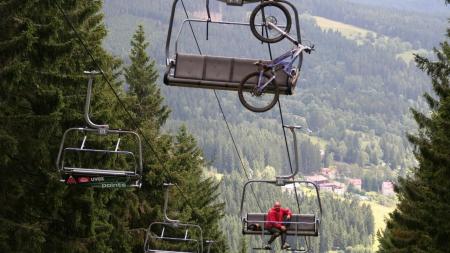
<point>44,51</point>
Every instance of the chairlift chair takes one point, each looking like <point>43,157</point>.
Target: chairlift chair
<point>78,158</point>
<point>174,225</point>
<point>218,72</point>
<point>301,225</point>
<point>162,236</point>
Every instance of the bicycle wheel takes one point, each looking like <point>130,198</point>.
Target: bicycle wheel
<point>255,100</point>
<point>272,12</point>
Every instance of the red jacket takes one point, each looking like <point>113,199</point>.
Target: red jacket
<point>275,218</point>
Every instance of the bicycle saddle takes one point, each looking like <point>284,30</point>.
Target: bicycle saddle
<point>261,64</point>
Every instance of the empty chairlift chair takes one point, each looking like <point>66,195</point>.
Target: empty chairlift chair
<point>98,156</point>
<point>217,72</point>
<point>176,236</point>
<point>172,236</point>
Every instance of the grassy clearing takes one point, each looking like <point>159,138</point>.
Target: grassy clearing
<point>380,213</point>
<point>408,56</point>
<point>348,31</point>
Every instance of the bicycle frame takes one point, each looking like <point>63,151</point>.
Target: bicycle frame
<point>281,62</point>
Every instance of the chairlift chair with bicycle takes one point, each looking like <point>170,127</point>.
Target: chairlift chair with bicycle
<point>300,225</point>
<point>97,156</point>
<point>258,92</point>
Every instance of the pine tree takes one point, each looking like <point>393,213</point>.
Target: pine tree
<point>167,159</point>
<point>142,75</point>
<point>201,193</point>
<point>42,95</point>
<point>421,221</point>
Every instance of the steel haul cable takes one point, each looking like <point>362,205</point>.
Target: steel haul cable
<point>223,114</point>
<point>284,130</point>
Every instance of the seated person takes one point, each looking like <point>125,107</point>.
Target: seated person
<point>274,224</point>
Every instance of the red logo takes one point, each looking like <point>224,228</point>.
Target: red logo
<point>83,180</point>
<point>71,180</point>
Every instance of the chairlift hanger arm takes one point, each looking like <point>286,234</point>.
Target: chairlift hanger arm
<point>166,203</point>
<point>91,75</point>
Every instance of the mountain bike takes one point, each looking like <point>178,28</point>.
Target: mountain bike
<point>259,91</point>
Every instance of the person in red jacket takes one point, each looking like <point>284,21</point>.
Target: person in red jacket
<point>275,224</point>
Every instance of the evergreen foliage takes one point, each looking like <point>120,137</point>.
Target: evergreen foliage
<point>175,159</point>
<point>421,221</point>
<point>43,93</point>
<point>142,76</point>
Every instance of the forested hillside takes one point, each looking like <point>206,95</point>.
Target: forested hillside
<point>354,97</point>
<point>44,49</point>
<point>433,7</point>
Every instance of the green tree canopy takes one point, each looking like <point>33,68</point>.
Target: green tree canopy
<point>421,221</point>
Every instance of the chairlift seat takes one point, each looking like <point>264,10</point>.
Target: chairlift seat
<point>220,73</point>
<point>301,224</point>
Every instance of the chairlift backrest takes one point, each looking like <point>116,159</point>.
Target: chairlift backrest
<point>213,72</point>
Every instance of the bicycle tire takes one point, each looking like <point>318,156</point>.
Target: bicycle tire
<point>248,105</point>
<point>254,28</point>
